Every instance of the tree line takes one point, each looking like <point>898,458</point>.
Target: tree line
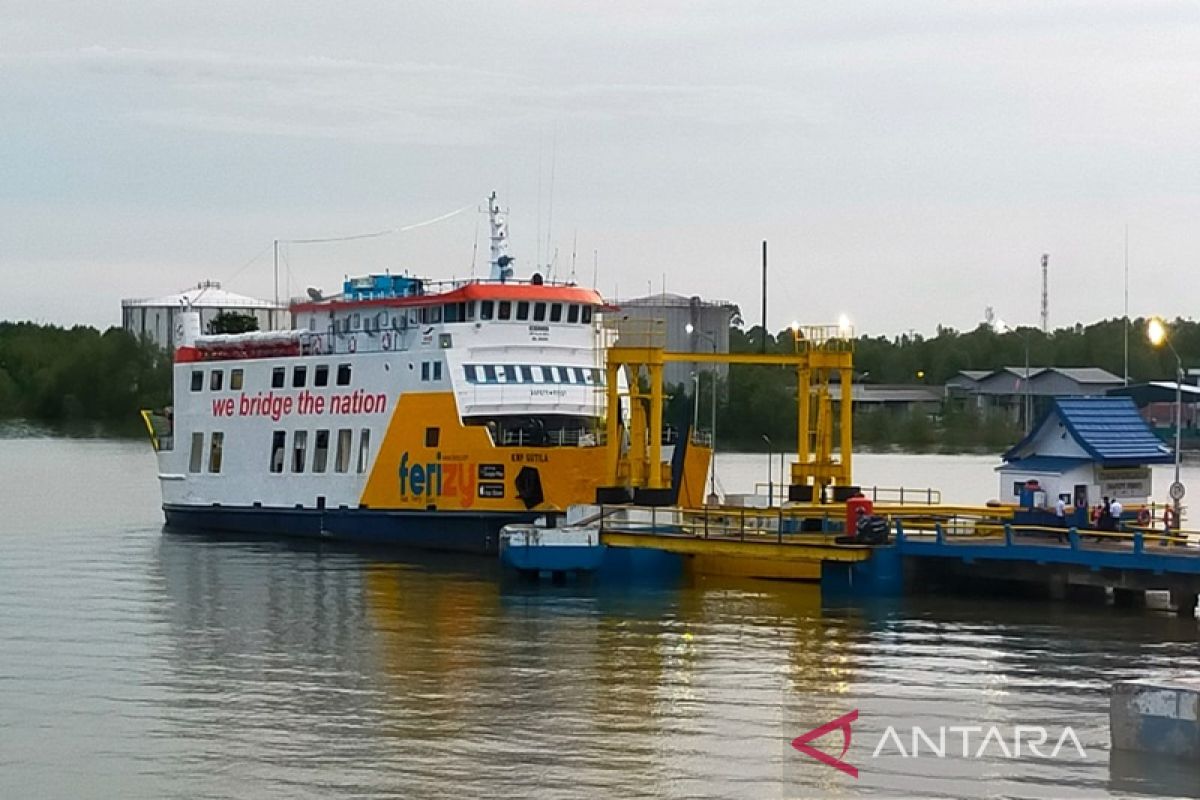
<point>760,400</point>
<point>80,374</point>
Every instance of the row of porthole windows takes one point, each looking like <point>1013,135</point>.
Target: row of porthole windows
<point>521,310</point>
<point>298,462</point>
<point>529,373</point>
<point>216,377</point>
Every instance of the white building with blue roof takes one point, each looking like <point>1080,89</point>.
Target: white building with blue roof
<point>1084,449</point>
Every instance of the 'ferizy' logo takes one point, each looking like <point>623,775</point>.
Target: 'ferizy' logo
<point>437,479</point>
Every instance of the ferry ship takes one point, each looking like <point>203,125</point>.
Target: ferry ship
<point>401,411</point>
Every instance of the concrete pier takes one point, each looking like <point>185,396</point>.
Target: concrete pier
<point>1160,715</point>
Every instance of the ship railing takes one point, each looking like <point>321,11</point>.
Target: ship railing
<point>562,437</point>
<point>160,425</point>
<point>701,438</point>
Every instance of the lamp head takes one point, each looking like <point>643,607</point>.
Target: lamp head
<point>690,328</point>
<point>1156,331</point>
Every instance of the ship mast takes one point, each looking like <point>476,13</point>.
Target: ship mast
<point>501,261</point>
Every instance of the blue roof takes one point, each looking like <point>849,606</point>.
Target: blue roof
<point>1109,429</point>
<point>1044,463</point>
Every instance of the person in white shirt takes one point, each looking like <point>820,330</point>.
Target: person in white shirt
<point>1115,510</point>
<point>1060,510</point>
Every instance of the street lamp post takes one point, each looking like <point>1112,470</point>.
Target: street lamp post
<point>712,484</point>
<point>1156,330</point>
<point>770,483</point>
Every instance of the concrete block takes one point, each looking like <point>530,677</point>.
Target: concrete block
<point>1157,715</point>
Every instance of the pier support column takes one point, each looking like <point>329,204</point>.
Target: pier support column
<point>654,480</point>
<point>1129,598</point>
<point>1183,602</point>
<point>612,423</point>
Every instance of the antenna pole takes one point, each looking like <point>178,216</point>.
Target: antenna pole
<point>1045,292</point>
<point>763,346</point>
<point>1127,304</point>
<point>276,272</point>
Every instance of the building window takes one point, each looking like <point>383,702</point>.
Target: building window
<point>321,375</point>
<point>486,309</point>
<point>522,310</point>
<point>556,312</point>
<point>278,376</point>
<point>539,312</point>
<point>215,379</point>
<point>196,457</point>
<point>235,379</point>
<point>585,316</point>
<point>341,462</point>
<point>321,451</point>
<point>299,448</point>
<point>437,370</point>
<point>424,370</point>
<point>364,450</point>
<point>469,373</point>
<point>278,443</point>
<point>197,380</point>
<point>526,374</point>
<point>432,435</point>
<point>214,451</point>
<point>505,310</point>
<point>299,377</point>
<point>572,313</point>
<point>343,375</point>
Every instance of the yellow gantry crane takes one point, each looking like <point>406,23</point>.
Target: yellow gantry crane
<point>823,355</point>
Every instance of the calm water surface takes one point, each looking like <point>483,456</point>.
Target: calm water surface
<point>138,664</point>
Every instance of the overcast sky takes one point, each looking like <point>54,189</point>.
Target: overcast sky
<point>908,162</point>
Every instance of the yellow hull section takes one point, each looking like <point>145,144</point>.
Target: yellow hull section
<point>429,460</point>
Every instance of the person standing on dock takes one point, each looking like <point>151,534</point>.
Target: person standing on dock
<point>1060,512</point>
<point>1114,513</point>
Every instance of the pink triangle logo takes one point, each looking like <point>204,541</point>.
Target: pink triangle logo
<point>842,723</point>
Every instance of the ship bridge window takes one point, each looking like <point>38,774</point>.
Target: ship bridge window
<point>214,451</point>
<point>580,375</point>
<point>556,312</point>
<point>321,375</point>
<point>469,373</point>
<point>341,462</point>
<point>572,313</point>
<point>526,374</point>
<point>585,316</point>
<point>196,456</point>
<point>197,380</point>
<point>278,376</point>
<point>455,312</point>
<point>522,310</point>
<point>489,374</point>
<point>236,379</point>
<point>505,310</point>
<point>299,450</point>
<point>539,312</point>
<point>470,310</point>
<point>547,374</point>
<point>299,377</point>
<point>343,375</point>
<point>431,315</point>
<point>564,374</point>
<point>321,451</point>
<point>278,442</point>
<point>510,374</point>
<point>486,309</point>
<point>215,379</point>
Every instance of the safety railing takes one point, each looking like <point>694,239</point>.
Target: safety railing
<point>1138,539</point>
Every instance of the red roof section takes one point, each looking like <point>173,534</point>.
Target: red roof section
<point>467,292</point>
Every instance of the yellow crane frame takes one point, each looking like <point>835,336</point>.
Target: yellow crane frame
<point>821,353</point>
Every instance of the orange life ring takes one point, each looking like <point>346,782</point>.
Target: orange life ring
<point>1143,517</point>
